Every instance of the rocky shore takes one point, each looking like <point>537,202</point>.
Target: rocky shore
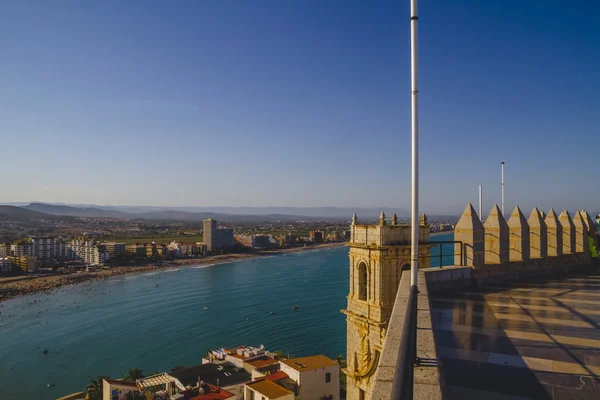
<point>43,283</point>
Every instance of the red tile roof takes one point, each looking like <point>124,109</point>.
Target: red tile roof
<point>261,363</point>
<point>276,376</point>
<point>214,393</point>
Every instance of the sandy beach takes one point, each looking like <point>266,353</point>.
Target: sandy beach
<point>23,285</point>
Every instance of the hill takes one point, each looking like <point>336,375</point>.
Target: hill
<point>75,211</point>
<point>20,214</point>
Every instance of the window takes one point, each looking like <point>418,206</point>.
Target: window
<point>362,281</point>
<point>328,377</point>
<point>251,394</point>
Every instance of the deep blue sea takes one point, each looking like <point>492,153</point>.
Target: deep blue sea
<point>156,320</point>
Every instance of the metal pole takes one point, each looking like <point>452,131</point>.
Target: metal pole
<point>502,166</point>
<point>414,256</point>
<point>480,201</point>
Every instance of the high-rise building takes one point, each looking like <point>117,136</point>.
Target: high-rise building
<point>116,250</point>
<point>216,238</point>
<point>316,236</point>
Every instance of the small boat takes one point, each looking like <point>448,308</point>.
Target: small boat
<point>272,313</point>
<point>45,351</point>
<point>50,384</point>
<point>206,307</point>
<point>155,285</point>
<point>295,307</point>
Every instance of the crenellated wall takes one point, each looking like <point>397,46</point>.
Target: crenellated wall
<point>522,244</point>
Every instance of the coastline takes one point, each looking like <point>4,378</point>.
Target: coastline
<point>440,233</point>
<point>16,286</point>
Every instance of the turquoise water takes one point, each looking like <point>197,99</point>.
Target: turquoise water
<point>108,327</point>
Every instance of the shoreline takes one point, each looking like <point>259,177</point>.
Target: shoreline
<point>11,287</point>
<point>440,233</point>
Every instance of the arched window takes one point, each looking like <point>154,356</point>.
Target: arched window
<point>362,281</point>
<point>405,267</point>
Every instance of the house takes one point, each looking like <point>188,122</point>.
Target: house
<point>120,390</point>
<point>265,389</point>
<point>224,375</point>
<point>318,377</point>
<point>212,392</point>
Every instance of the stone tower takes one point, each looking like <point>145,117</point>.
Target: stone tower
<point>378,255</point>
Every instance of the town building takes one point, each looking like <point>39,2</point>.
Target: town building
<point>265,389</point>
<point>119,390</point>
<point>316,236</point>
<point>261,242</point>
<point>4,250</point>
<point>24,263</point>
<point>22,249</point>
<point>287,240</point>
<point>317,377</point>
<point>5,266</point>
<point>89,252</point>
<point>115,249</point>
<point>216,239</point>
<point>137,250</point>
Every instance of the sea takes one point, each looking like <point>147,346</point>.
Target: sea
<point>156,320</point>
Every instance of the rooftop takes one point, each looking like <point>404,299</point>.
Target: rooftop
<point>268,389</point>
<point>261,362</point>
<point>227,374</point>
<point>121,383</point>
<point>212,392</point>
<point>276,376</point>
<point>310,363</point>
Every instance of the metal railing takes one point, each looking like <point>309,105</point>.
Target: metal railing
<point>402,388</point>
<point>441,244</point>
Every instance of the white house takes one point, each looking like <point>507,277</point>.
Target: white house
<point>119,390</point>
<point>266,390</point>
<point>317,376</point>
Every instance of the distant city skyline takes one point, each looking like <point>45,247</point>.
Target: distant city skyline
<point>299,103</point>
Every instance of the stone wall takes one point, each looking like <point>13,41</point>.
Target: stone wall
<point>523,247</point>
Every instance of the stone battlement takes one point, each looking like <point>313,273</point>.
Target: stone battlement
<point>539,240</point>
<point>385,233</point>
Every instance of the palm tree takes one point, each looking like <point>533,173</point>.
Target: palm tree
<point>343,364</point>
<point>134,374</point>
<point>93,390</point>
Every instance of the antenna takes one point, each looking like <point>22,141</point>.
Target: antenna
<point>480,201</point>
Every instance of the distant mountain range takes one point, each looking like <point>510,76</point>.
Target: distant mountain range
<point>199,213</point>
<point>20,214</point>
<point>225,214</point>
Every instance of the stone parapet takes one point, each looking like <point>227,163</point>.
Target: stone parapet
<point>470,231</point>
<point>496,238</point>
<point>555,235</point>
<point>568,231</point>
<point>519,236</point>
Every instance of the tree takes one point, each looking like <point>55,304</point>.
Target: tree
<point>93,390</point>
<point>279,354</point>
<point>134,374</point>
<point>177,367</point>
<point>343,364</point>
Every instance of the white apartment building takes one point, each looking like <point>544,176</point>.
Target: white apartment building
<point>318,377</point>
<point>22,250</point>
<point>88,251</point>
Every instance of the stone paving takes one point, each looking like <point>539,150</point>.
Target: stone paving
<point>539,339</point>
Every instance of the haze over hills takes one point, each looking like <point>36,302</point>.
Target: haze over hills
<point>20,214</point>
<point>157,212</point>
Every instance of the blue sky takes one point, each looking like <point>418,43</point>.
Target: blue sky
<point>299,103</point>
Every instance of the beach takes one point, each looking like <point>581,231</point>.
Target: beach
<point>43,283</point>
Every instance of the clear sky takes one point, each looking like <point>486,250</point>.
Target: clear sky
<point>299,103</point>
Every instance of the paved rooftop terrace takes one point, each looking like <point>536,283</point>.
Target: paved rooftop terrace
<point>539,339</point>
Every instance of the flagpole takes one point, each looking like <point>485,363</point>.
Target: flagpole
<point>414,256</point>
